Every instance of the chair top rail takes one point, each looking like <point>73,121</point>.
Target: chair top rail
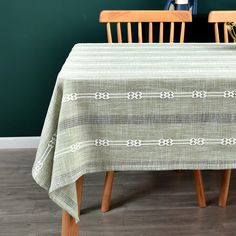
<point>222,16</point>
<point>145,16</point>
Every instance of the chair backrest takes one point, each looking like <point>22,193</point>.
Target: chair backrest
<point>149,17</point>
<point>221,17</point>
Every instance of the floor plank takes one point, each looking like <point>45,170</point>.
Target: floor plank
<point>143,203</point>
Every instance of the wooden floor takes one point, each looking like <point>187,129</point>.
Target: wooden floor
<point>143,203</point>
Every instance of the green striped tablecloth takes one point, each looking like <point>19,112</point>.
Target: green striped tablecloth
<point>138,107</point>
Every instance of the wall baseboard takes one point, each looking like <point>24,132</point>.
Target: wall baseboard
<point>19,142</point>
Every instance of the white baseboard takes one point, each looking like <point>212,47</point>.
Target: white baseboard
<point>19,142</point>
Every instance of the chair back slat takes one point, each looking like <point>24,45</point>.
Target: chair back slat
<point>226,36</point>
<point>109,35</point>
<point>161,32</point>
<point>182,32</point>
<point>129,32</point>
<point>150,17</point>
<point>140,33</point>
<point>119,33</point>
<point>221,17</point>
<point>172,32</point>
<point>150,33</point>
<point>217,35</point>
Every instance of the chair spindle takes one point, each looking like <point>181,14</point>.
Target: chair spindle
<point>119,34</point>
<point>217,36</point>
<point>140,33</point>
<point>150,33</point>
<point>129,32</point>
<point>172,31</point>
<point>226,36</point>
<point>109,35</point>
<point>182,32</point>
<point>161,32</point>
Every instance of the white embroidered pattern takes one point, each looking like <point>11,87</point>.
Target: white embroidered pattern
<point>165,142</point>
<point>197,141</point>
<point>70,97</point>
<point>199,94</point>
<point>134,95</point>
<point>39,164</point>
<point>140,95</point>
<point>138,143</point>
<point>101,142</point>
<point>133,143</point>
<point>229,94</point>
<point>228,141</point>
<point>99,95</point>
<point>75,147</point>
<point>169,94</point>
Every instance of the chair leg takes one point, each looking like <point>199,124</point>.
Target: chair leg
<point>107,191</point>
<point>68,226</point>
<point>199,188</point>
<point>224,190</point>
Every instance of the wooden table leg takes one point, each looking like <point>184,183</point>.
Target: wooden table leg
<point>199,188</point>
<point>107,191</point>
<point>224,190</point>
<point>69,227</point>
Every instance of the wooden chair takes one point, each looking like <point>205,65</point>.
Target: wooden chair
<point>130,18</point>
<point>223,17</point>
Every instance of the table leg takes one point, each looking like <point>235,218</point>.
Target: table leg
<point>199,188</point>
<point>107,191</point>
<point>69,227</point>
<point>224,188</point>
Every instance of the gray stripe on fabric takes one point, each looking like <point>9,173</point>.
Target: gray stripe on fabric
<point>147,119</point>
<point>145,165</point>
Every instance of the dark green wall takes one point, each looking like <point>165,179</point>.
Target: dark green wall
<point>35,39</point>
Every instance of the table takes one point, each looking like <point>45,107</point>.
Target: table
<point>137,107</point>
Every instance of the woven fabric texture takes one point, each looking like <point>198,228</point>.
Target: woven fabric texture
<point>138,107</point>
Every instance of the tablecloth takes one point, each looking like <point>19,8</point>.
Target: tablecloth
<point>138,107</point>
